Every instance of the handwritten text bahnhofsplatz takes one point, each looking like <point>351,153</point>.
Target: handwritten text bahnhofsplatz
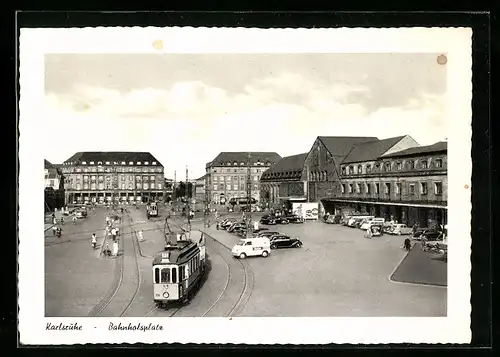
<point>134,327</point>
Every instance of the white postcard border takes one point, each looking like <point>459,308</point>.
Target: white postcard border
<point>455,43</point>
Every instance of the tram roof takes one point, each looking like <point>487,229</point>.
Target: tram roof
<point>177,253</point>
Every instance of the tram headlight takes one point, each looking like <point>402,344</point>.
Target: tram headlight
<point>166,295</point>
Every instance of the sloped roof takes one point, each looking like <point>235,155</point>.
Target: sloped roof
<point>112,156</point>
<point>290,164</point>
<point>342,145</point>
<point>370,150</point>
<point>224,157</point>
<point>53,174</point>
<point>47,164</point>
<point>437,147</point>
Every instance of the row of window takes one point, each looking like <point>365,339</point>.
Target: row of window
<point>115,178</point>
<point>173,274</point>
<point>234,178</point>
<point>361,188</point>
<point>284,174</point>
<point>234,187</point>
<point>235,163</point>
<point>235,171</point>
<point>109,163</point>
<point>394,166</point>
<point>157,169</point>
<point>115,186</point>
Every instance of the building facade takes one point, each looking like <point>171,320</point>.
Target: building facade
<point>409,186</point>
<point>284,182</point>
<point>113,177</point>
<point>54,187</point>
<point>226,175</point>
<point>199,189</point>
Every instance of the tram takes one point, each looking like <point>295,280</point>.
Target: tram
<point>178,269</point>
<point>152,209</point>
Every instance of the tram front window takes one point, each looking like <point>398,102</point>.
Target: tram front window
<point>157,275</point>
<point>165,275</point>
<point>174,275</point>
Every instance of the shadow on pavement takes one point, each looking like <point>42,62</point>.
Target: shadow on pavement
<point>420,267</point>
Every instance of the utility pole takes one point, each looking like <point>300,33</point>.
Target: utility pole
<point>173,188</point>
<point>249,195</point>
<point>188,211</point>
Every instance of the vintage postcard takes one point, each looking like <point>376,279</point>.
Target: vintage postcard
<point>239,185</point>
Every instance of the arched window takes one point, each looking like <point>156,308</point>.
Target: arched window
<point>360,169</point>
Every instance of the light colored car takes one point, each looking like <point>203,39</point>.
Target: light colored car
<point>252,247</point>
<point>371,222</point>
<point>401,229</point>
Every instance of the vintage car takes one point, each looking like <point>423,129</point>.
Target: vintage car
<point>400,229</point>
<point>268,219</point>
<point>283,241</point>
<point>294,218</point>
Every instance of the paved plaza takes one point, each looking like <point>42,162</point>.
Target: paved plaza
<point>337,272</point>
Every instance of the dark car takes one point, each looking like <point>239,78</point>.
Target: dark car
<point>282,220</point>
<point>283,241</point>
<point>294,218</point>
<point>226,223</point>
<point>268,220</point>
<point>257,231</point>
<point>235,226</point>
<point>268,234</point>
<point>432,236</point>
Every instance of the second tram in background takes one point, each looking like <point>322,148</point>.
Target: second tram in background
<point>152,209</point>
<point>178,269</point>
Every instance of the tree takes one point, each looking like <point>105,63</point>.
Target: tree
<point>180,190</point>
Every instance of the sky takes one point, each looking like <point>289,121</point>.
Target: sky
<point>186,108</point>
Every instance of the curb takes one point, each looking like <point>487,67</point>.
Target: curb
<point>406,283</point>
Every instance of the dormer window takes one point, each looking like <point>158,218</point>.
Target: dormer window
<point>130,162</point>
<point>124,163</point>
<point>235,163</point>
<point>351,170</point>
<point>153,163</point>
<point>424,164</point>
<point>360,169</point>
<point>84,162</point>
<point>387,166</point>
<point>368,168</point>
<point>228,163</point>
<point>377,167</point>
<point>398,166</point>
<point>438,163</point>
<point>411,164</point>
<point>138,162</point>
<point>146,163</point>
<point>343,170</point>
<point>242,164</point>
<point>99,163</point>
<point>107,162</point>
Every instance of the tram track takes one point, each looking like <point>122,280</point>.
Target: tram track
<point>118,283</point>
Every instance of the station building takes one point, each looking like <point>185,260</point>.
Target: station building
<point>408,185</point>
<point>226,175</point>
<point>112,177</point>
<point>284,182</point>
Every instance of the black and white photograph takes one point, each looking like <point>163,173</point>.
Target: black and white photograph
<point>252,179</point>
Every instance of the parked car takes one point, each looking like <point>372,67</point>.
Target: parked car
<point>334,219</point>
<point>226,223</point>
<point>257,231</point>
<point>235,225</point>
<point>283,241</point>
<point>268,234</point>
<point>371,222</point>
<point>268,220</point>
<point>282,220</point>
<point>294,218</point>
<point>400,229</point>
<point>432,236</point>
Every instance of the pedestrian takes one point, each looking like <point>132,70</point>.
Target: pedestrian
<point>139,236</point>
<point>62,220</point>
<point>74,219</point>
<point>94,241</point>
<point>54,221</point>
<point>115,248</point>
<point>113,234</point>
<point>54,230</point>
<point>407,244</point>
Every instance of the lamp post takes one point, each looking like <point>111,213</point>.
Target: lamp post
<point>188,210</point>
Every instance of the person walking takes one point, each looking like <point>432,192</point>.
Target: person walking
<point>74,219</point>
<point>94,241</point>
<point>113,234</point>
<point>54,230</point>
